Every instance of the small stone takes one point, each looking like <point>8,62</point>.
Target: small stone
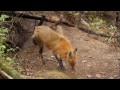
<point>111,77</point>
<point>84,61</point>
<point>102,72</point>
<point>52,56</point>
<point>88,65</point>
<point>88,75</point>
<point>98,75</point>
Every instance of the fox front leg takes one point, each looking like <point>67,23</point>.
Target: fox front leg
<point>60,62</point>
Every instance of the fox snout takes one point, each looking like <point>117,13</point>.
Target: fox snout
<point>72,66</point>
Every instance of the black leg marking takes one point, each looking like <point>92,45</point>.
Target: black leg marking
<point>41,51</point>
<point>60,62</point>
<point>34,41</point>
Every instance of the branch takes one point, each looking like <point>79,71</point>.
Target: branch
<point>5,75</point>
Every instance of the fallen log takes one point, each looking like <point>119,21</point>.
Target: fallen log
<point>5,75</point>
<point>7,70</point>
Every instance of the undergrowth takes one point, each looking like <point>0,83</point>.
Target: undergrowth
<point>4,50</point>
<point>101,26</point>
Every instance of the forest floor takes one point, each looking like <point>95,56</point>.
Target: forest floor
<point>95,59</point>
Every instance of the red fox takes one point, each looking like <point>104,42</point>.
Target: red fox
<point>57,43</point>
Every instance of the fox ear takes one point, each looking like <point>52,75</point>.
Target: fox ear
<point>75,50</point>
<point>69,54</point>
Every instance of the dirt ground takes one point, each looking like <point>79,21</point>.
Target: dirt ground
<point>95,58</point>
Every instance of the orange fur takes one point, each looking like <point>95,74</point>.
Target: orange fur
<point>56,42</point>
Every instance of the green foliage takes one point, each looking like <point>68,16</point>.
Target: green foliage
<point>4,56</point>
<point>100,26</point>
<point>96,22</point>
<point>12,49</point>
<point>3,32</point>
<point>112,27</point>
<point>3,17</point>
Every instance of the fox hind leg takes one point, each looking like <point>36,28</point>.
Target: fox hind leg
<point>41,51</point>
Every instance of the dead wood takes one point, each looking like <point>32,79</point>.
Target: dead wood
<point>5,75</point>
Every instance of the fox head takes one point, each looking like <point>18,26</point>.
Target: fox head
<point>71,57</point>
